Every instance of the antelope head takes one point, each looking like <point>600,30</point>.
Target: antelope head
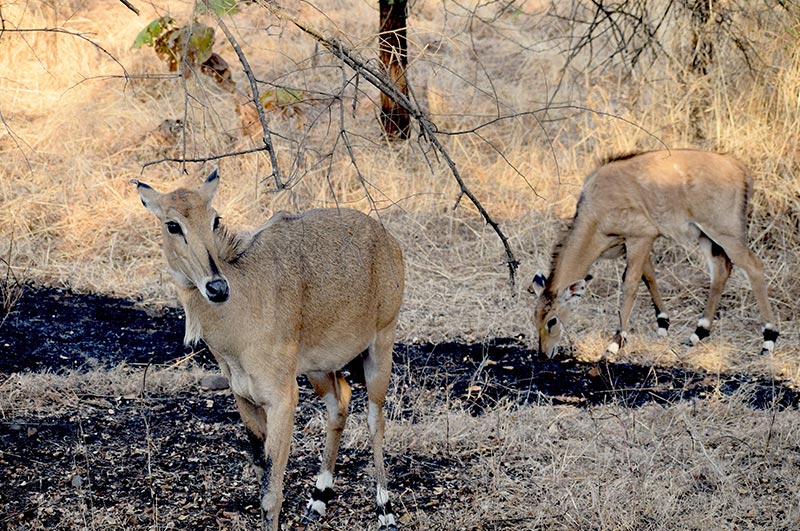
<point>552,309</point>
<point>188,226</point>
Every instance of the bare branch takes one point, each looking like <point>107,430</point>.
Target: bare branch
<point>428,129</point>
<point>267,138</point>
<point>184,160</point>
<point>130,6</point>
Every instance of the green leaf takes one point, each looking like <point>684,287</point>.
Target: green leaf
<point>152,31</point>
<point>220,7</point>
<point>281,97</point>
<point>201,40</point>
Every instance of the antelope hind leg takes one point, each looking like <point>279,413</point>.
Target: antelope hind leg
<point>377,371</point>
<point>737,252</point>
<point>719,267</point>
<point>335,392</point>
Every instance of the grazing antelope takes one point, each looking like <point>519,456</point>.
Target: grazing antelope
<point>301,294</point>
<point>627,203</point>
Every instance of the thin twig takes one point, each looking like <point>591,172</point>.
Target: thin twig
<point>17,140</point>
<point>67,32</point>
<point>427,127</point>
<point>183,160</point>
<point>256,98</point>
<point>130,6</point>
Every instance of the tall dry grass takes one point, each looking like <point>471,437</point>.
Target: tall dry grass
<point>76,130</point>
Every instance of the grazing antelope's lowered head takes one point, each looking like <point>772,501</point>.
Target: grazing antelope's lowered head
<point>552,309</point>
<point>189,226</point>
<point>693,197</point>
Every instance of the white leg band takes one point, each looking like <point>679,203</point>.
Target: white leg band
<point>386,520</point>
<point>318,507</point>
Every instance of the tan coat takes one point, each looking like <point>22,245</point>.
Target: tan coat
<point>302,294</point>
<point>686,195</point>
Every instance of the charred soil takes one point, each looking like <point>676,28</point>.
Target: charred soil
<point>179,459</point>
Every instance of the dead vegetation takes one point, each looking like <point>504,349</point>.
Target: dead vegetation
<point>73,132</point>
<point>90,454</point>
<point>482,436</point>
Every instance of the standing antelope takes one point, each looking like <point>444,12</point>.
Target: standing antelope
<point>627,203</point>
<point>302,294</point>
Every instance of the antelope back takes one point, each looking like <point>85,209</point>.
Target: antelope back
<point>670,193</point>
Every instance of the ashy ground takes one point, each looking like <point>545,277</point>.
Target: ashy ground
<point>107,425</point>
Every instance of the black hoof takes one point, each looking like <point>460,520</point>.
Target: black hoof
<point>699,335</point>
<point>770,337</point>
<point>391,527</point>
<point>663,325</point>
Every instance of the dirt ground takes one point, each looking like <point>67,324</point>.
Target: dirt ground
<point>177,459</point>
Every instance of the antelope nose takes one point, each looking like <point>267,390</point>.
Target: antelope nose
<point>217,290</point>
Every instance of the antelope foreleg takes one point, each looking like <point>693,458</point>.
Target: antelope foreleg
<point>637,254</point>
<point>255,424</point>
<point>649,278</point>
<point>377,369</point>
<point>280,421</point>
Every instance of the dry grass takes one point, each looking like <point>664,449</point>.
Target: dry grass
<point>74,134</point>
<point>704,465</point>
<point>73,139</point>
<point>42,395</point>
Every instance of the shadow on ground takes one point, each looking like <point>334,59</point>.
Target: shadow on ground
<point>121,463</point>
<point>52,329</point>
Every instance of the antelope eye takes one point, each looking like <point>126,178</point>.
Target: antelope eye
<point>552,323</point>
<point>173,227</point>
<point>216,222</point>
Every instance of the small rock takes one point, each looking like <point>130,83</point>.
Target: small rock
<point>214,383</point>
<point>77,481</point>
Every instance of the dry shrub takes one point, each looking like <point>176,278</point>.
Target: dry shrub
<point>43,395</point>
<point>72,139</point>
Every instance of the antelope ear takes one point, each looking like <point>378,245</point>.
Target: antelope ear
<point>209,188</point>
<point>151,199</point>
<point>537,284</point>
<point>574,291</point>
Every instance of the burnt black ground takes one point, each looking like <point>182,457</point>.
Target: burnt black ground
<point>53,329</point>
<point>182,456</point>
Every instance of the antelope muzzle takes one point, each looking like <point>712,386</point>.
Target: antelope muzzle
<point>217,290</point>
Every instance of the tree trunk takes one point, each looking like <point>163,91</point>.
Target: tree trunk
<point>702,59</point>
<point>394,57</point>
